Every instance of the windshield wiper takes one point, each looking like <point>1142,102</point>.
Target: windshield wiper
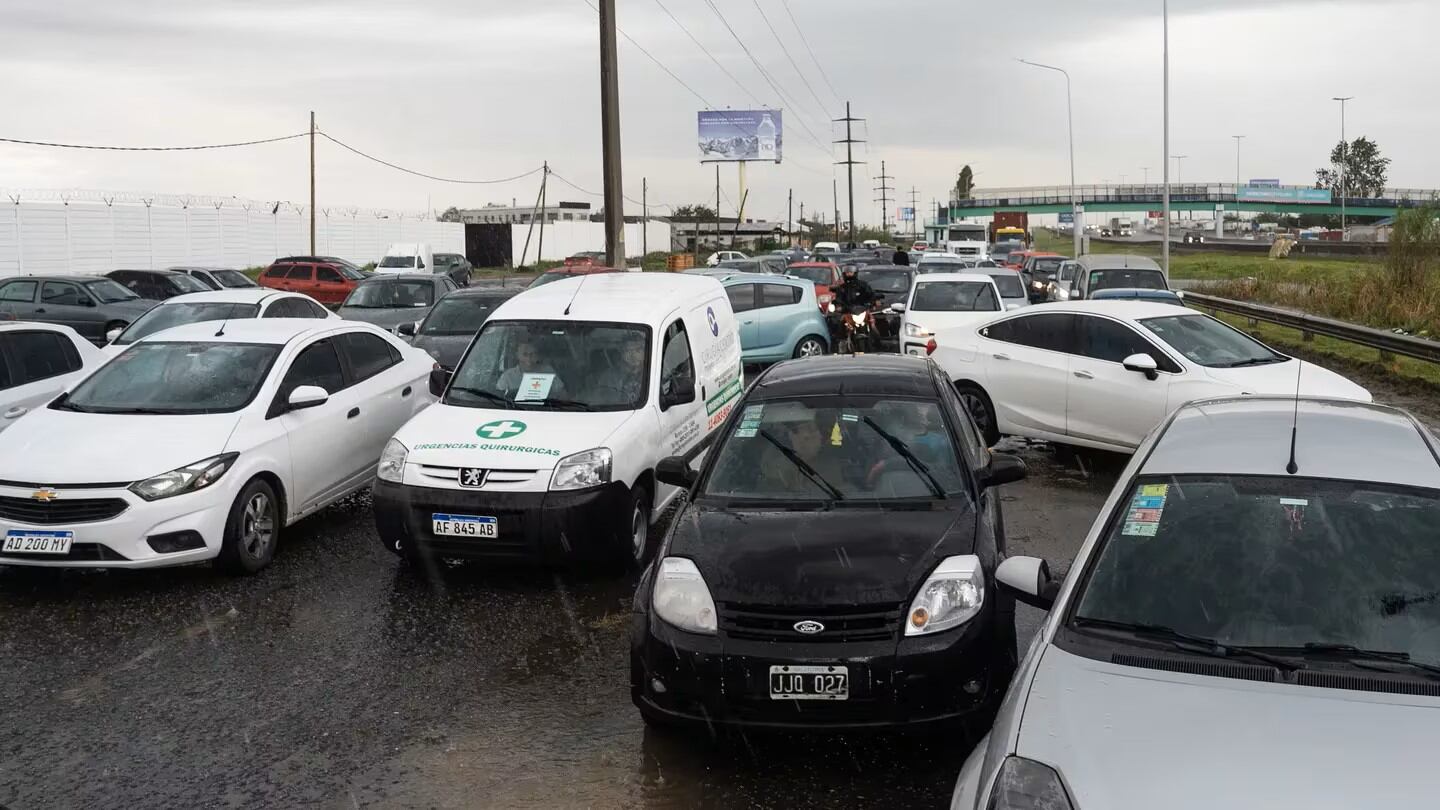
<point>483,394</point>
<point>566,403</point>
<point>1253,361</point>
<point>1187,642</point>
<point>804,466</point>
<point>905,452</point>
<point>1361,657</point>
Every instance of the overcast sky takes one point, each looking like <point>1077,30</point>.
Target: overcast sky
<point>490,88</point>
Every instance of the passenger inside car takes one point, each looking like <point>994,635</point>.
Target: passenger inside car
<point>529,361</point>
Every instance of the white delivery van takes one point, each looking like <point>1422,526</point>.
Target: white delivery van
<point>544,443</point>
<point>407,257</point>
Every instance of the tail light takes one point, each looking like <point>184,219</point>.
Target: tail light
<point>930,346</point>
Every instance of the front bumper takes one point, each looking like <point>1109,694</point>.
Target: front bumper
<point>540,527</point>
<point>120,541</point>
<point>915,681</point>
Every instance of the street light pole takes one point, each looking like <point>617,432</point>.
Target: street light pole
<point>1165,202</point>
<point>1070,119</point>
<point>1179,170</point>
<point>1238,139</point>
<point>1343,154</point>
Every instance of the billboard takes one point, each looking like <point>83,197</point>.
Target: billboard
<point>1266,182</point>
<point>740,135</point>
<point>1067,217</point>
<point>1320,196</point>
<point>905,214</point>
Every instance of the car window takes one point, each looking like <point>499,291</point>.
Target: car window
<point>278,271</point>
<point>742,297</point>
<point>204,278</point>
<point>60,294</point>
<point>778,295</point>
<point>397,262</point>
<point>368,354</point>
<point>168,316</point>
<point>39,355</point>
<point>676,364</point>
<point>108,291</point>
<point>18,291</point>
<point>329,274</point>
<point>954,296</point>
<point>387,294</point>
<point>1127,279</point>
<point>1009,284</point>
<point>1208,342</point>
<point>283,308</point>
<point>459,315</point>
<point>184,283</point>
<point>299,272</point>
<point>231,278</point>
<point>1052,331</point>
<point>316,365</point>
<point>1112,341</point>
<point>313,310</point>
<point>163,377</point>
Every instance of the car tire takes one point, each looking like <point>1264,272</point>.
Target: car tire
<point>634,529</point>
<point>251,531</point>
<point>810,346</point>
<point>982,410</point>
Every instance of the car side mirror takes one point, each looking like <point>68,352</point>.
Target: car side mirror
<point>676,471</point>
<point>88,303</point>
<point>897,307</point>
<point>1180,294</point>
<point>112,334</point>
<point>677,391</point>
<point>439,379</point>
<point>307,396</point>
<point>1144,364</point>
<point>1002,469</point>
<point>407,329</point>
<point>1028,580</point>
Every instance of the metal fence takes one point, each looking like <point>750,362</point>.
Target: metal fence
<point>1179,192</point>
<point>1389,344</point>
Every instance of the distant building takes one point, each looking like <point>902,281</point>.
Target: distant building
<point>691,236</point>
<point>495,214</point>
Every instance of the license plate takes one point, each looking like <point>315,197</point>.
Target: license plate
<point>828,682</point>
<point>35,542</point>
<point>464,526</point>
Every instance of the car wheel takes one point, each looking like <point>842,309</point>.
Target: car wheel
<point>810,346</point>
<point>977,402</point>
<point>635,528</point>
<point>251,530</point>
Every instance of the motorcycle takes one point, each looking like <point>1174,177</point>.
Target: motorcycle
<point>853,329</point>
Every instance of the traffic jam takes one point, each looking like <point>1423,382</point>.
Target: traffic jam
<point>796,473</point>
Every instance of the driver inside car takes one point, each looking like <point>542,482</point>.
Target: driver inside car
<point>529,361</point>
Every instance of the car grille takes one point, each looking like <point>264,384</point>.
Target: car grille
<point>63,510</point>
<point>875,622</point>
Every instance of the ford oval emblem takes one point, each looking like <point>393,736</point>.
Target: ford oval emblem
<point>809,628</point>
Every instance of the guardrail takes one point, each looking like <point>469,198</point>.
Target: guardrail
<point>1389,344</point>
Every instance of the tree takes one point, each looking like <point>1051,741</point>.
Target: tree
<point>965,184</point>
<point>1365,169</point>
<point>452,214</point>
<point>693,213</point>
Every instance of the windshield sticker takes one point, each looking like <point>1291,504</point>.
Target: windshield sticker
<point>745,433</point>
<point>1148,502</point>
<point>1141,529</point>
<point>752,413</point>
<point>1294,502</point>
<point>1155,489</point>
<point>534,387</point>
<point>850,417</point>
<point>1144,515</point>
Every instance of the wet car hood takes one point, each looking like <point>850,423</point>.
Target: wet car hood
<point>849,555</point>
<point>133,308</point>
<point>385,318</point>
<point>446,349</point>
<point>64,447</point>
<point>1134,739</point>
<point>1280,378</point>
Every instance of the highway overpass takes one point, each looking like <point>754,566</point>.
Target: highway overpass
<point>1212,197</point>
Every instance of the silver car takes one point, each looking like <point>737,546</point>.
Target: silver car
<point>1252,622</point>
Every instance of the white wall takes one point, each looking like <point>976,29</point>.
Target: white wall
<point>91,236</point>
<point>568,238</point>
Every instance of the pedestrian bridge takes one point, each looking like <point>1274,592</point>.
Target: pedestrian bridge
<point>1188,197</point>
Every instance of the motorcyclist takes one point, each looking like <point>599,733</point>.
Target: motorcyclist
<point>854,292</point>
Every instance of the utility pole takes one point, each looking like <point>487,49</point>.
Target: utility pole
<point>790,220</point>
<point>610,138</point>
<point>849,163</point>
<point>884,199</point>
<point>914,213</point>
<point>544,181</point>
<point>312,182</point>
<point>717,206</point>
<point>835,195</point>
<point>1165,201</point>
<point>644,219</point>
<point>1238,139</point>
<point>1344,191</point>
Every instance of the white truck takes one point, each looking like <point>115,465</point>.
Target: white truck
<point>968,240</point>
<point>1122,226</point>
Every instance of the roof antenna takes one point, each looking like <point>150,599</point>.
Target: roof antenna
<point>583,278</point>
<point>1292,467</point>
<point>221,331</point>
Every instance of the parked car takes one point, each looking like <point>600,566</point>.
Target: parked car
<point>778,317</point>
<point>218,278</point>
<point>822,248</point>
<point>544,443</point>
<point>892,283</point>
<point>724,256</point>
<point>1038,271</point>
<point>1251,603</point>
<point>225,305</point>
<point>776,265</point>
<point>1102,374</point>
<point>217,440</point>
<point>456,266</point>
<point>586,258</point>
<point>570,271</point>
<point>406,257</point>
<point>1059,287</point>
<point>156,285</point>
<point>833,566</point>
<point>351,269</point>
<point>1113,271</point>
<point>453,322</point>
<point>91,305</point>
<point>325,281</point>
<point>824,275</point>
<point>944,301</point>
<point>37,362</point>
<point>391,300</point>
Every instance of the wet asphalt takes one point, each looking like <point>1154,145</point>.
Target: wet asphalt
<point>337,678</point>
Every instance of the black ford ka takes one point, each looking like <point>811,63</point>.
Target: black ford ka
<point>834,564</point>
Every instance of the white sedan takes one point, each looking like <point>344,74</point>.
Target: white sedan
<point>37,362</point>
<point>1102,374</point>
<point>940,301</point>
<point>220,305</point>
<point>202,442</point>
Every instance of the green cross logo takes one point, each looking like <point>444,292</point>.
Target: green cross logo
<point>503,429</point>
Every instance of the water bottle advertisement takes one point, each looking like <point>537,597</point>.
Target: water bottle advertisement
<point>735,135</point>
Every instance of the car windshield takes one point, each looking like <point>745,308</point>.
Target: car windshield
<point>743,265</point>
<point>459,315</point>
<point>233,279</point>
<point>167,316</point>
<point>397,261</point>
<point>1274,562</point>
<point>886,281</point>
<point>392,295</point>
<point>108,292</point>
<point>554,366</point>
<point>189,284</point>
<point>954,296</point>
<point>175,378</point>
<point>836,449</point>
<point>1131,279</point>
<point>447,259</point>
<point>352,273</point>
<point>939,265</point>
<point>1009,284</point>
<point>1208,342</point>
<point>986,263</point>
<point>1045,268</point>
<point>815,275</point>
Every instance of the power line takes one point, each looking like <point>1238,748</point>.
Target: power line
<point>786,5</point>
<point>154,148</point>
<point>706,51</point>
<point>327,136</point>
<point>778,41</point>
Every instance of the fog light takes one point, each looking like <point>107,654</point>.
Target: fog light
<point>971,687</point>
<point>919,617</point>
<point>172,542</point>
<point>657,686</point>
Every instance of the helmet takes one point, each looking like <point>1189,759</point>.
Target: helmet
<point>849,271</point>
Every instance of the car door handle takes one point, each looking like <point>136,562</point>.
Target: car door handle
<point>354,412</point>
<point>40,311</point>
<point>1001,356</point>
<point>1084,375</point>
<point>15,413</point>
<point>406,392</point>
<point>747,323</point>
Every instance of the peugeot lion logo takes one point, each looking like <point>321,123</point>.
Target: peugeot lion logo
<point>809,627</point>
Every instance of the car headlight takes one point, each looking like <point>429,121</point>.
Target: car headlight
<point>1039,285</point>
<point>1024,784</point>
<point>681,597</point>
<point>588,469</point>
<point>829,307</point>
<point>915,331</point>
<point>952,595</point>
<point>392,462</point>
<point>859,318</point>
<point>189,478</point>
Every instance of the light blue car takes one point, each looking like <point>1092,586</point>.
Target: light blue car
<point>779,317</point>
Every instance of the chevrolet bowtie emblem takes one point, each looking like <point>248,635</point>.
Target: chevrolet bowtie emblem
<point>44,495</point>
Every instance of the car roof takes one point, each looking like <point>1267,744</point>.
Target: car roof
<point>278,331</point>
<point>860,374</point>
<point>153,272</point>
<point>615,297</point>
<point>1134,293</point>
<point>1117,308</point>
<point>76,277</point>
<point>930,254</point>
<point>188,267</point>
<point>245,295</point>
<point>760,278</point>
<point>1117,261</point>
<point>1343,439</point>
<point>13,326</point>
<point>929,278</point>
<point>382,277</point>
